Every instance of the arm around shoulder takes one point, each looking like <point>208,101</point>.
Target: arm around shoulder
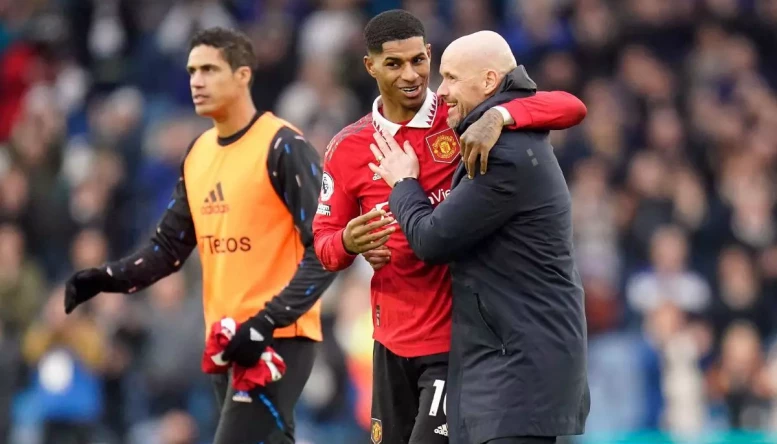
<point>546,110</point>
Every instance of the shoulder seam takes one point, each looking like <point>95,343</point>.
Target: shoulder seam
<point>292,131</point>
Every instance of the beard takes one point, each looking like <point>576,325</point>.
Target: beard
<point>453,121</point>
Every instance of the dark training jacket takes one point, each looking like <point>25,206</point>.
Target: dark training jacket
<point>519,342</point>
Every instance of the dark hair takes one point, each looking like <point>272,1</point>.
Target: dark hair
<point>396,24</point>
<point>235,47</point>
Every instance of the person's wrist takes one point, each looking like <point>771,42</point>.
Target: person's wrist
<point>345,245</point>
<point>99,280</point>
<point>266,321</point>
<point>404,179</point>
<point>500,115</point>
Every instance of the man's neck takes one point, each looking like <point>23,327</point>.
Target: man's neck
<point>394,112</point>
<point>236,118</point>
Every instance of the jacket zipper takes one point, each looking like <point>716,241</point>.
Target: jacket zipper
<point>481,308</point>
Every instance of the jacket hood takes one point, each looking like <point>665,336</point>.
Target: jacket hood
<point>516,83</point>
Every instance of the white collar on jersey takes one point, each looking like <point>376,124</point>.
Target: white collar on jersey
<point>422,119</point>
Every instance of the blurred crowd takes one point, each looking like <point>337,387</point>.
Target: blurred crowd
<point>672,175</point>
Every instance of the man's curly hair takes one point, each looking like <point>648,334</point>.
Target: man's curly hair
<point>396,24</point>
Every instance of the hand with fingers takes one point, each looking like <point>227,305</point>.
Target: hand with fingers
<point>86,284</point>
<point>378,257</point>
<point>364,233</point>
<point>395,163</point>
<point>478,140</point>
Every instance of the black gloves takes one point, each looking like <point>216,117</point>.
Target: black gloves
<point>254,335</point>
<point>85,285</point>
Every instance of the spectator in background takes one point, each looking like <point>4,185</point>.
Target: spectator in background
<point>174,427</point>
<point>67,355</point>
<point>89,248</point>
<point>274,37</point>
<point>648,193</point>
<point>669,280</point>
<point>318,101</point>
<point>21,283</point>
<point>679,344</point>
<point>689,200</point>
<point>172,354</point>
<point>739,295</point>
<point>165,146</point>
<point>595,222</point>
<point>740,379</point>
<point>14,194</point>
<point>537,30</point>
<point>177,427</point>
<point>9,380</point>
<point>752,222</point>
<point>338,20</point>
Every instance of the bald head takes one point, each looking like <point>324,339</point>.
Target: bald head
<point>472,68</point>
<point>483,50</point>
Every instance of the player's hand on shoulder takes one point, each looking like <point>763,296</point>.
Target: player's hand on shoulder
<point>378,258</point>
<point>478,140</point>
<point>367,232</point>
<point>84,285</point>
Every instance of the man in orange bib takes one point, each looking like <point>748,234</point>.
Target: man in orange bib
<point>246,198</point>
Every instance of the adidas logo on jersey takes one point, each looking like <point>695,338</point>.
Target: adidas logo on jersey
<point>214,202</point>
<point>442,430</point>
<point>376,176</point>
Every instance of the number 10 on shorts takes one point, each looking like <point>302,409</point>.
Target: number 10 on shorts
<point>439,387</point>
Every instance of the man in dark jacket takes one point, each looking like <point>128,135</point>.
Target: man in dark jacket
<point>518,353</point>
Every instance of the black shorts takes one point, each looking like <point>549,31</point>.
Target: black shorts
<point>408,398</point>
<point>269,416</point>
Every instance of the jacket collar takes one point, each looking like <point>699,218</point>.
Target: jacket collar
<point>422,119</point>
<point>516,83</point>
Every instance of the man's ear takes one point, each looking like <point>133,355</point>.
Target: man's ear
<point>429,51</point>
<point>492,81</point>
<point>244,74</point>
<point>369,65</point>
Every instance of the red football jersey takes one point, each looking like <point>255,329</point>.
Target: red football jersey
<point>411,300</point>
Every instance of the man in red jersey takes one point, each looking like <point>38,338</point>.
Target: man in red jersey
<point>411,300</point>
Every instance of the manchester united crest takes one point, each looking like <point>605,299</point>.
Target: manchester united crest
<point>376,431</point>
<point>444,146</point>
